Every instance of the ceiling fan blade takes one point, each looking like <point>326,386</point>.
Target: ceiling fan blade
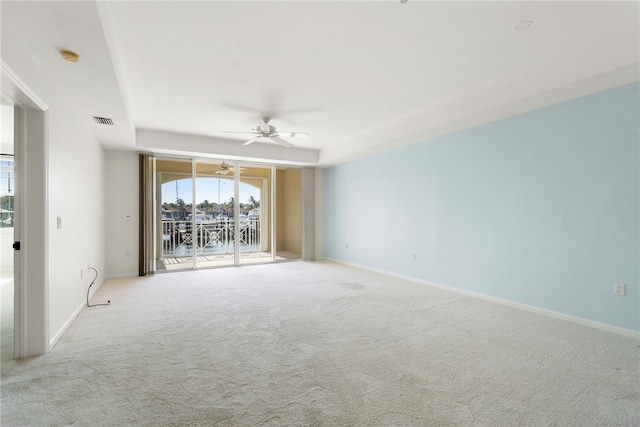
<point>233,131</point>
<point>281,141</point>
<point>252,140</point>
<point>293,134</point>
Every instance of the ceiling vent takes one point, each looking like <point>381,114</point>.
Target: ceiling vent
<point>102,120</point>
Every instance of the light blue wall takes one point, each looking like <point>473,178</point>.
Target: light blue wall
<point>540,208</point>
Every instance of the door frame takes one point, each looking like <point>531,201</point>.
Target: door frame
<point>31,171</point>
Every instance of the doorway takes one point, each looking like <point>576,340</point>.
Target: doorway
<point>30,211</point>
<point>7,198</point>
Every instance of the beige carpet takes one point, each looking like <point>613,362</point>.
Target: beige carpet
<point>318,344</point>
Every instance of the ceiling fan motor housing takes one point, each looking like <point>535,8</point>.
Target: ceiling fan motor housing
<point>265,128</point>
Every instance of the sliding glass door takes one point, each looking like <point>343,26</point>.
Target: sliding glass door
<point>173,213</point>
<point>254,197</point>
<point>211,213</point>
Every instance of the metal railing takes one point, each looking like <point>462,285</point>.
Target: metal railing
<point>210,237</point>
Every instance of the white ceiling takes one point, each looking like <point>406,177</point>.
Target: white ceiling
<point>358,76</point>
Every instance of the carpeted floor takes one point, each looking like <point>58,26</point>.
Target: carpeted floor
<point>318,344</point>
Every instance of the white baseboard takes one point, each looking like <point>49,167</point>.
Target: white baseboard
<point>579,320</point>
<point>73,317</point>
<point>64,328</point>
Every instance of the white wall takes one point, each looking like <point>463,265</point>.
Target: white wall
<point>123,207</point>
<point>73,183</point>
<point>76,183</point>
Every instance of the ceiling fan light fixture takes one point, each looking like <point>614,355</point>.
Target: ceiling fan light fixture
<point>264,127</point>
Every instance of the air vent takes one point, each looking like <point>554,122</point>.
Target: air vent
<point>103,120</point>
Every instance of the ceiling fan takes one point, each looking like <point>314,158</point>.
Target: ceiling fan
<point>265,130</point>
<point>225,169</point>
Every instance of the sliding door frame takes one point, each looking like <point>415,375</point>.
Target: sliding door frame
<point>266,187</point>
<point>272,216</point>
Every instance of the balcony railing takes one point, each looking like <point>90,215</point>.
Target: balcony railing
<point>215,237</point>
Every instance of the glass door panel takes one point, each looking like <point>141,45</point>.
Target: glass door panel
<point>214,220</point>
<point>175,235</point>
<point>255,214</point>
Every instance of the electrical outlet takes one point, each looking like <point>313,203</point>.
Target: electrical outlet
<point>81,273</point>
<point>618,289</point>
<point>413,258</point>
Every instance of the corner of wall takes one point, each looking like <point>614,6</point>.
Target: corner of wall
<point>320,213</point>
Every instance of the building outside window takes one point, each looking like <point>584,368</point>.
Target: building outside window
<point>7,191</point>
